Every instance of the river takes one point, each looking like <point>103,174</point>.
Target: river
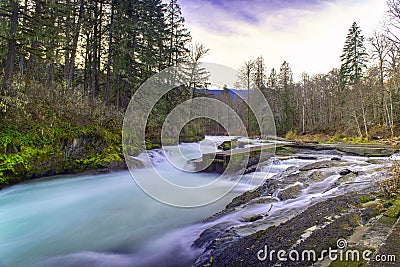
<point>106,220</point>
<point>95,220</point>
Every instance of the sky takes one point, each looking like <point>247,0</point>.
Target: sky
<point>308,34</point>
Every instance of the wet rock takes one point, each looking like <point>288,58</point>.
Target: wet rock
<point>314,177</point>
<point>251,218</point>
<point>243,199</point>
<point>263,200</point>
<point>226,145</point>
<point>345,172</point>
<point>250,169</point>
<point>335,158</point>
<point>290,192</point>
<point>134,163</point>
<point>318,165</point>
<point>306,157</point>
<point>376,161</point>
<point>243,250</point>
<point>253,160</point>
<point>210,234</point>
<point>330,219</point>
<point>276,162</point>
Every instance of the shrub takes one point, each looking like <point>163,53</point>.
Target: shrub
<point>291,135</point>
<point>390,188</point>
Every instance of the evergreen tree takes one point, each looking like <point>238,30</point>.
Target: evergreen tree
<point>178,37</point>
<point>259,76</point>
<point>354,57</point>
<point>12,42</point>
<point>285,88</point>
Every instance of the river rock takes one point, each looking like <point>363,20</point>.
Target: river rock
<point>290,192</point>
<point>210,234</point>
<point>243,251</point>
<point>251,217</point>
<point>242,199</point>
<point>226,145</point>
<point>317,165</point>
<point>307,157</point>
<point>263,200</point>
<point>347,171</point>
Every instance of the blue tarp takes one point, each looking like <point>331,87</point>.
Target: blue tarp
<point>234,93</point>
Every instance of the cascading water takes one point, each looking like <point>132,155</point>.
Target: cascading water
<point>97,219</point>
<point>106,220</point>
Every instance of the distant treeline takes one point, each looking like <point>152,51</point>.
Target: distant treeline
<point>359,98</point>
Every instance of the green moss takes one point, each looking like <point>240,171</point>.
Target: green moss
<point>388,221</point>
<point>45,150</point>
<point>394,210</point>
<point>150,145</point>
<point>190,139</point>
<point>291,135</point>
<point>365,199</point>
<point>284,148</point>
<point>338,137</point>
<point>226,145</point>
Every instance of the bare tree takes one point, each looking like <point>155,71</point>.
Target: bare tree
<point>245,81</point>
<point>197,51</point>
<point>392,23</point>
<point>380,49</point>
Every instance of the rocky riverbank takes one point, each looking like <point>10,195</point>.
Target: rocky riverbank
<point>327,197</point>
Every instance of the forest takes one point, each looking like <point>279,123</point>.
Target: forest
<point>69,68</point>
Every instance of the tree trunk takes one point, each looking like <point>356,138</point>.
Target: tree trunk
<point>110,51</point>
<point>358,125</point>
<point>12,44</point>
<point>94,49</point>
<point>32,61</point>
<point>99,48</point>
<point>363,111</point>
<point>71,68</point>
<point>67,51</point>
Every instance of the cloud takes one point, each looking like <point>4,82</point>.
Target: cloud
<point>221,16</point>
<point>309,34</point>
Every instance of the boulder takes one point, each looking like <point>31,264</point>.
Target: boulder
<point>251,217</point>
<point>290,192</point>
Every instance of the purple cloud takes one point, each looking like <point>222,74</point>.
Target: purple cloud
<point>217,15</point>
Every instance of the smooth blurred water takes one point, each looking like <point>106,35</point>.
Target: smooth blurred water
<point>107,220</point>
<point>103,213</point>
<point>101,220</point>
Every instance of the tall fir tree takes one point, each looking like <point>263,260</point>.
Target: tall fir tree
<point>178,37</point>
<point>285,88</point>
<point>354,57</point>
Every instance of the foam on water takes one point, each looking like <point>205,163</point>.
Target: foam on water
<point>106,220</point>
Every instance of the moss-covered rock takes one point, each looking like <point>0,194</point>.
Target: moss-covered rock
<point>394,210</point>
<point>52,151</point>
